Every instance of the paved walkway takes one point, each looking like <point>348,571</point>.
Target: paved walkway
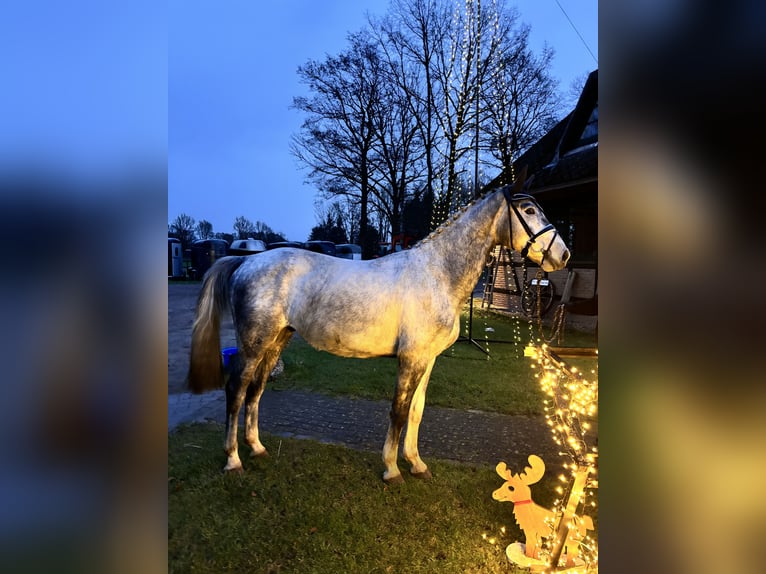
<point>452,434</point>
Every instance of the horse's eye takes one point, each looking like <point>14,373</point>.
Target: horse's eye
<point>529,211</point>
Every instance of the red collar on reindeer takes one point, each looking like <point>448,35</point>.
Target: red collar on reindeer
<point>522,502</point>
<point>532,237</point>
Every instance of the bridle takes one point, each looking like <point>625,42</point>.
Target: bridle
<point>532,237</point>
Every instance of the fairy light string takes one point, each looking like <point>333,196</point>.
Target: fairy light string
<point>571,404</point>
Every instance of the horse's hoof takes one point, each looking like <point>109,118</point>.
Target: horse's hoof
<point>425,475</point>
<point>262,454</point>
<point>396,479</point>
<point>234,470</point>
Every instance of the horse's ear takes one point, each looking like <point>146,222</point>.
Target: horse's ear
<point>518,185</point>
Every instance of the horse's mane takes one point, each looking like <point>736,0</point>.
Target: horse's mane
<point>455,216</point>
<point>522,183</point>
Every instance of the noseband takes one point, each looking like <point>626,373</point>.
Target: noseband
<point>532,237</point>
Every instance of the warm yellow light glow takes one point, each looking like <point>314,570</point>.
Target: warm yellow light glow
<point>570,400</point>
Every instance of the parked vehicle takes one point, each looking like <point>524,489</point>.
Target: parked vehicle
<point>326,247</point>
<point>175,258</point>
<point>348,251</point>
<point>204,252</point>
<point>278,244</point>
<point>247,246</point>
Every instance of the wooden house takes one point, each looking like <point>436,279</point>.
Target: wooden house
<point>562,174</point>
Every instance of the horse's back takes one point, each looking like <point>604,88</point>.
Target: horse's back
<point>266,278</point>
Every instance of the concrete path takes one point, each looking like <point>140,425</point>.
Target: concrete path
<point>465,436</point>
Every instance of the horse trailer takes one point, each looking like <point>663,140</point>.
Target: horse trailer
<point>326,247</point>
<point>348,251</point>
<point>175,258</point>
<point>247,246</point>
<point>205,252</point>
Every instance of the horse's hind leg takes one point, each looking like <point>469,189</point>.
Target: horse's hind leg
<point>236,387</point>
<point>252,400</point>
<point>268,362</point>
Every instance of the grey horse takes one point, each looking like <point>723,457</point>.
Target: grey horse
<point>405,305</point>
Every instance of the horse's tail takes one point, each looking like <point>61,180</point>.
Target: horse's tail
<point>205,363</point>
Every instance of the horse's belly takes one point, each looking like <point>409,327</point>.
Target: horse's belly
<point>359,352</point>
<point>347,343</point>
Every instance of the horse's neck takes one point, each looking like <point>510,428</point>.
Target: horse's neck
<point>461,246</point>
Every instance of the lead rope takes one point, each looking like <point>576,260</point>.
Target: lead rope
<point>559,317</point>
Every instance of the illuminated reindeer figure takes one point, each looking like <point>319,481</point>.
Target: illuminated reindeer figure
<point>535,520</point>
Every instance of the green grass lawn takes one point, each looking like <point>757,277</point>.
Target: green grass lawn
<point>320,508</point>
<point>323,509</point>
<point>463,377</point>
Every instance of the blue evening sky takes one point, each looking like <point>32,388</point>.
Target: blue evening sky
<point>84,88</point>
<point>231,80</point>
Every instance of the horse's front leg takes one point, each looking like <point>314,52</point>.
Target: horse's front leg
<point>410,374</point>
<point>418,468</point>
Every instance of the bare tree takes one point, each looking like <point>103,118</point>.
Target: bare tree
<point>265,233</point>
<point>183,228</point>
<point>465,60</point>
<point>336,138</point>
<point>398,146</point>
<point>243,227</point>
<point>576,87</point>
<point>346,213</point>
<point>204,229</point>
<point>454,53</point>
<point>408,36</point>
<point>520,102</point>
<point>394,118</point>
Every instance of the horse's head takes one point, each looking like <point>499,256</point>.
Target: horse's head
<point>533,235</point>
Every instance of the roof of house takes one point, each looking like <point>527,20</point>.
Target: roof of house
<point>568,153</point>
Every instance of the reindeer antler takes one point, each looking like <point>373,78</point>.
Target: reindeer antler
<point>503,471</point>
<point>534,472</point>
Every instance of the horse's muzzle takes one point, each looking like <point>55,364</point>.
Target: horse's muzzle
<point>552,263</point>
